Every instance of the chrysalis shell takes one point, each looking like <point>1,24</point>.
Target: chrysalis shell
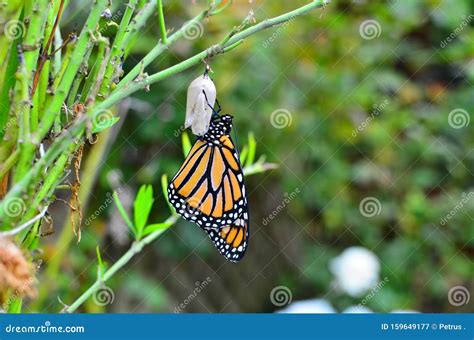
<point>198,111</point>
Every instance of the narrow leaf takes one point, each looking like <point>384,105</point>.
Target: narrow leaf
<point>252,149</point>
<point>15,306</point>
<point>142,208</point>
<point>154,227</point>
<point>243,154</point>
<point>186,143</point>
<point>123,213</point>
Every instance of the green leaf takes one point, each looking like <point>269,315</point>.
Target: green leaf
<point>142,208</point>
<point>15,306</point>
<point>124,214</point>
<point>252,149</point>
<point>103,124</point>
<point>157,226</point>
<point>186,143</point>
<point>243,154</point>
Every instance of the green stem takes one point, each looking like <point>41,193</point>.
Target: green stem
<point>76,60</point>
<point>50,182</point>
<point>134,249</point>
<point>117,49</point>
<point>120,93</point>
<point>62,143</point>
<point>58,41</point>
<point>31,46</point>
<point>54,107</point>
<point>89,172</point>
<point>161,21</point>
<point>9,162</point>
<point>123,91</point>
<point>137,23</point>
<point>92,76</point>
<point>160,47</point>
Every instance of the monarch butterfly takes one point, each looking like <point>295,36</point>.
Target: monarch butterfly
<point>209,190</point>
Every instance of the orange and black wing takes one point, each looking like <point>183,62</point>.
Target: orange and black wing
<point>232,240</point>
<point>209,187</point>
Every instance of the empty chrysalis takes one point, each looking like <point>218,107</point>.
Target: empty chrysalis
<point>200,100</point>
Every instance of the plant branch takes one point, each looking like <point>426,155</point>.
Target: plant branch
<point>45,54</point>
<point>76,60</point>
<point>161,21</point>
<point>134,249</point>
<point>123,91</point>
<point>117,49</point>
<point>23,226</point>
<point>136,24</point>
<point>126,87</point>
<point>160,46</point>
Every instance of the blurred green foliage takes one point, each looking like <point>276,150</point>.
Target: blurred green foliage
<point>321,71</point>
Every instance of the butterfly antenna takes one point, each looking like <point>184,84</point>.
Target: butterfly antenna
<point>219,108</point>
<point>214,112</point>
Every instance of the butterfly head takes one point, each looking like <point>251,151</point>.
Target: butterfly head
<point>220,126</point>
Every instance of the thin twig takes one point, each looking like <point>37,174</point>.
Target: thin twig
<point>161,21</point>
<point>45,54</point>
<point>18,229</point>
<point>77,128</point>
<point>123,91</point>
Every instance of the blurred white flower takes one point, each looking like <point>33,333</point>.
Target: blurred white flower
<point>357,310</point>
<point>404,311</point>
<point>200,100</point>
<point>356,270</point>
<point>318,306</point>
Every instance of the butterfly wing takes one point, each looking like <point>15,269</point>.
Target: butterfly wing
<point>209,187</point>
<point>232,240</point>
